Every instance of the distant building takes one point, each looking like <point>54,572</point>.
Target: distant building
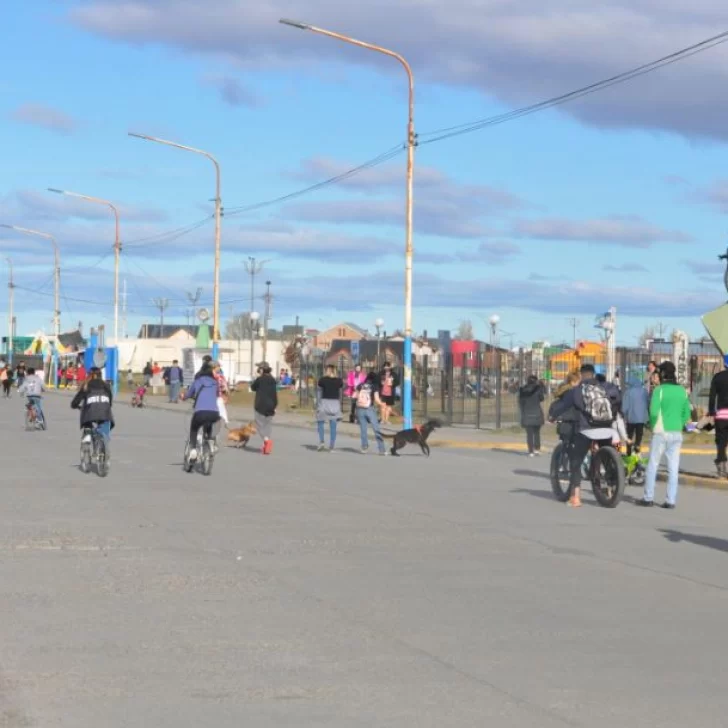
<point>343,331</point>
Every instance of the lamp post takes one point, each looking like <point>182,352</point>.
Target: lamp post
<point>117,248</point>
<point>218,215</point>
<point>253,318</point>
<point>494,320</point>
<point>56,272</point>
<point>379,323</point>
<point>11,297</point>
<point>411,141</point>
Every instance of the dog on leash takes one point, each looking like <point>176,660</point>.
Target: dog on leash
<point>241,435</point>
<point>416,436</point>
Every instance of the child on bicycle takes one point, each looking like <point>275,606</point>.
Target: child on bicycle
<point>94,399</point>
<point>204,391</point>
<point>33,388</point>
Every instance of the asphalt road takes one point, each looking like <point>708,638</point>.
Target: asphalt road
<point>311,589</point>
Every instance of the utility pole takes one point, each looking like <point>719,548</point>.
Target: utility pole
<point>266,318</point>
<point>574,323</point>
<point>11,318</point>
<point>661,329</point>
<point>123,312</point>
<point>253,267</point>
<point>194,299</point>
<point>162,304</point>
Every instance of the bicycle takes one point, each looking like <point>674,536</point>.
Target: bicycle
<point>34,418</point>
<point>205,454</point>
<point>602,466</point>
<point>94,450</point>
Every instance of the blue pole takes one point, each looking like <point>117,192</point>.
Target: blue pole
<point>54,364</point>
<point>215,350</point>
<point>407,383</point>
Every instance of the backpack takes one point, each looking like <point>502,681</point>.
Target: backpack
<point>597,405</point>
<point>364,398</point>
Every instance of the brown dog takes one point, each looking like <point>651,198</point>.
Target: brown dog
<point>241,436</point>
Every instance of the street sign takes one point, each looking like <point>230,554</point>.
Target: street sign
<point>355,350</point>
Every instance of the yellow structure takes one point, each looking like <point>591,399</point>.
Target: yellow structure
<point>586,352</point>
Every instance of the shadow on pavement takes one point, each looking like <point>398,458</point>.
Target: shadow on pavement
<point>532,473</point>
<point>710,542</point>
<point>314,448</point>
<point>548,495</point>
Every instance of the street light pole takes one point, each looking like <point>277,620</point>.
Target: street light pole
<point>379,323</point>
<point>117,248</point>
<point>411,143</point>
<point>56,272</point>
<point>252,319</point>
<point>218,216</point>
<point>11,298</point>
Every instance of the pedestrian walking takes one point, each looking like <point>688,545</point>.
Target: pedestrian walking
<point>174,379</point>
<point>328,408</point>
<point>353,379</point>
<point>6,377</point>
<point>387,391</point>
<point>129,378</point>
<point>530,397</point>
<point>669,413</point>
<point>367,401</point>
<point>223,393</point>
<point>266,403</point>
<point>718,411</point>
<point>19,373</point>
<point>148,373</point>
<point>636,411</point>
<point>80,375</point>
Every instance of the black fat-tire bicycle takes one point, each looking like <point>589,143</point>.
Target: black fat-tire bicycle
<point>605,472</point>
<point>94,451</point>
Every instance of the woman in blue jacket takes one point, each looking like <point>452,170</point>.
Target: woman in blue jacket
<point>204,391</point>
<point>636,411</point>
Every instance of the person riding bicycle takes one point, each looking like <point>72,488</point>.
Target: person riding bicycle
<point>594,422</point>
<point>33,388</point>
<point>95,399</point>
<point>204,391</point>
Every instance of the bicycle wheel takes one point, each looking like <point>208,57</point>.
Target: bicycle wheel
<point>186,464</point>
<point>560,473</point>
<point>638,476</point>
<point>29,419</point>
<point>100,455</point>
<point>607,477</point>
<point>206,458</point>
<point>42,424</point>
<point>85,463</point>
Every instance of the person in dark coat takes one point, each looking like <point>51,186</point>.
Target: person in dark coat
<point>530,396</point>
<point>266,403</point>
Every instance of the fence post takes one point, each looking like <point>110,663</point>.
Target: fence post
<point>498,391</point>
<point>478,387</point>
<point>450,385</point>
<point>425,386</point>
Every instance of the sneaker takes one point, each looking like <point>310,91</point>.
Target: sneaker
<point>644,503</point>
<point>537,453</point>
<point>332,449</point>
<point>669,506</point>
<point>193,454</point>
<point>321,447</point>
<point>384,453</point>
<point>531,455</point>
<point>365,450</point>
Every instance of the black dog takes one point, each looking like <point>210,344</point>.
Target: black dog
<point>417,436</point>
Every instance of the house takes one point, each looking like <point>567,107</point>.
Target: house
<point>586,352</point>
<point>168,331</point>
<point>342,331</point>
<point>391,351</point>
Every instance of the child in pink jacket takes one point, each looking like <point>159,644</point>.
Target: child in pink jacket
<point>354,378</point>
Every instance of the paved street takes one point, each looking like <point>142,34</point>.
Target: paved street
<point>309,589</point>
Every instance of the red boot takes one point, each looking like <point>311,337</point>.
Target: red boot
<point>267,447</point>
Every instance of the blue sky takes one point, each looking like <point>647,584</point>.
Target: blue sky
<point>618,199</point>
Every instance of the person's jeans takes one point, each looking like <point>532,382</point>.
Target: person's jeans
<point>533,438</point>
<point>721,440</point>
<point>174,388</point>
<point>36,402</point>
<point>635,431</point>
<point>332,432</point>
<point>668,444</point>
<point>368,415</point>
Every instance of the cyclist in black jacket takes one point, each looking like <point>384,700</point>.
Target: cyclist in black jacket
<point>94,399</point>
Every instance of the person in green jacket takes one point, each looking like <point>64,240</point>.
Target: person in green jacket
<point>669,413</point>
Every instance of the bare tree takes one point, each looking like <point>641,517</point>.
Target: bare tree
<point>238,327</point>
<point>465,331</point>
<point>647,335</point>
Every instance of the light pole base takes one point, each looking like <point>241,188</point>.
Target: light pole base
<point>215,350</point>
<point>407,383</point>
